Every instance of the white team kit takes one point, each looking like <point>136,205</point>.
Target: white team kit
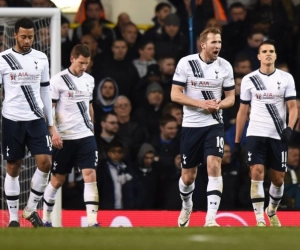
<point>203,81</point>
<point>267,95</point>
<point>72,95</point>
<point>22,76</point>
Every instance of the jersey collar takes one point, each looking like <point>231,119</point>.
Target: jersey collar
<point>73,74</point>
<point>267,74</point>
<point>204,61</point>
<point>13,48</point>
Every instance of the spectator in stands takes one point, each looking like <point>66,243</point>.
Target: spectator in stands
<point>249,4</point>
<point>146,58</point>
<point>148,114</point>
<point>171,41</point>
<point>109,129</point>
<point>118,68</point>
<point>43,41</point>
<point>291,197</point>
<point>115,180</point>
<point>166,148</point>
<point>167,70</point>
<point>161,11</point>
<point>169,186</point>
<point>201,11</point>
<point>123,19</point>
<point>105,95</point>
<point>231,180</point>
<point>274,12</point>
<point>213,23</point>
<point>153,75</point>
<point>255,38</point>
<point>242,65</point>
<point>147,177</point>
<point>72,191</point>
<point>235,32</point>
<point>109,134</point>
<point>94,28</point>
<point>96,55</point>
<point>175,110</point>
<point>295,138</point>
<point>130,131</point>
<point>66,45</point>
<point>165,143</point>
<point>130,34</point>
<point>92,9</point>
<point>42,3</point>
<point>284,66</point>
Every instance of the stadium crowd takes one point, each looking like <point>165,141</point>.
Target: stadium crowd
<point>137,126</point>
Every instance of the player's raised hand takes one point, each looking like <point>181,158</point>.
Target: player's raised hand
<point>56,140</point>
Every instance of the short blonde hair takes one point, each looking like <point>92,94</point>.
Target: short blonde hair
<point>204,33</point>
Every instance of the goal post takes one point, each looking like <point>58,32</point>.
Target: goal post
<point>54,14</point>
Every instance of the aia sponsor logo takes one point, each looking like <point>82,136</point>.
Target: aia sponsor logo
<point>267,96</point>
<point>24,76</point>
<point>199,83</point>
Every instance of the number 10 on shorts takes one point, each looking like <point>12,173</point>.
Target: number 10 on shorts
<point>220,143</point>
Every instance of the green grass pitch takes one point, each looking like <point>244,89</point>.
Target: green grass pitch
<point>231,238</point>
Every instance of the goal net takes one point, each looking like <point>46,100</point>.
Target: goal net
<point>47,31</point>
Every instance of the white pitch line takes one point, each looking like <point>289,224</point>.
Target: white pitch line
<point>212,239</point>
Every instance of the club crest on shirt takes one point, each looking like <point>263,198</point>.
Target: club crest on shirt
<point>278,83</point>
<point>36,62</point>
<point>217,72</point>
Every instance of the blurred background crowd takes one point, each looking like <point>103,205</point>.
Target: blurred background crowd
<point>137,126</point>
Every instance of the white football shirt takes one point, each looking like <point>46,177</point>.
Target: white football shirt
<point>267,95</point>
<point>203,81</point>
<point>72,95</point>
<point>22,75</point>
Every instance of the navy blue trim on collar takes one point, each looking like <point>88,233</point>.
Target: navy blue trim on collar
<point>73,74</point>
<point>204,61</point>
<point>267,74</point>
<point>13,49</point>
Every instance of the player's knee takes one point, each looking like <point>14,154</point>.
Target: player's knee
<point>13,168</point>
<point>89,175</point>
<point>188,179</point>
<point>214,168</point>
<point>277,182</point>
<point>257,172</point>
<point>45,164</point>
<point>57,180</point>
